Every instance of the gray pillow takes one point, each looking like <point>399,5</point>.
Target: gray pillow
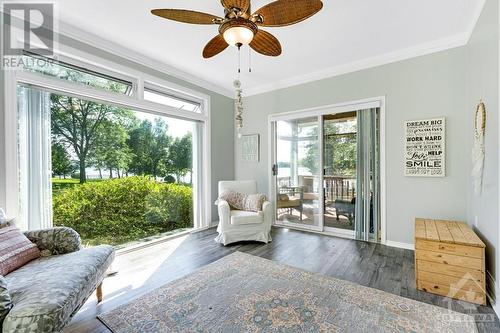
<point>242,201</point>
<point>5,301</point>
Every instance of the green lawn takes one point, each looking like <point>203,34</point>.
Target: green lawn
<point>59,184</point>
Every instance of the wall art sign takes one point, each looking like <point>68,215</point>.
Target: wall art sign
<point>425,151</point>
<point>250,148</point>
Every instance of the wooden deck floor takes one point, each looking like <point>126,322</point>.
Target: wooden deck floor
<point>374,265</point>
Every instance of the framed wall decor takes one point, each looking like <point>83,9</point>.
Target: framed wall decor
<point>425,148</point>
<point>250,148</point>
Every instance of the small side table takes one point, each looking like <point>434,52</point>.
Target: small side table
<point>449,260</point>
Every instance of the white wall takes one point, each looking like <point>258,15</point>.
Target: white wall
<point>482,81</point>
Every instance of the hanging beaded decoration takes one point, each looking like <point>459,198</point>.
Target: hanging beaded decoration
<point>238,106</point>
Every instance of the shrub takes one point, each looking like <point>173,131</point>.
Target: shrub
<point>168,204</point>
<point>120,210</point>
<point>169,179</point>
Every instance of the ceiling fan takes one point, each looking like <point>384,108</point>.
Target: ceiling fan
<point>240,27</point>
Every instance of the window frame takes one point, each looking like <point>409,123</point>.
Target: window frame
<point>174,93</point>
<point>118,78</point>
<point>135,101</point>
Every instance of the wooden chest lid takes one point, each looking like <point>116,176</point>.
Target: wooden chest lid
<point>453,232</point>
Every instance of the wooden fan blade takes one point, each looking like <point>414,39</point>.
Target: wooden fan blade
<point>215,46</point>
<point>287,12</point>
<point>242,5</point>
<point>186,16</point>
<point>266,44</point>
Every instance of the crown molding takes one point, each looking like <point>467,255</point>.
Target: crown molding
<point>72,32</point>
<point>439,45</point>
<point>384,59</point>
<point>475,18</point>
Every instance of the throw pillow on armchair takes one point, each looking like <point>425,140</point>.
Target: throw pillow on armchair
<point>242,201</point>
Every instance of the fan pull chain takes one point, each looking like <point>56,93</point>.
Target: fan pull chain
<point>239,59</point>
<point>249,60</point>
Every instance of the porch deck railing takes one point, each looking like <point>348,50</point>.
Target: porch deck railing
<point>339,187</point>
<point>335,187</point>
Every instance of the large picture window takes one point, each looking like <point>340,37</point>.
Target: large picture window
<point>118,171</point>
<point>113,174</point>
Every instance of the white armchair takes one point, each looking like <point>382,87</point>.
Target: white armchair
<point>238,225</point>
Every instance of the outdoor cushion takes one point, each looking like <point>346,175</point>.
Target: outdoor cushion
<point>5,301</point>
<point>289,203</point>
<point>46,291</point>
<point>15,250</point>
<point>240,217</point>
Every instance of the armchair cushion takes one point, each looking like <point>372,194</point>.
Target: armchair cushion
<point>243,201</point>
<point>59,240</point>
<point>240,217</point>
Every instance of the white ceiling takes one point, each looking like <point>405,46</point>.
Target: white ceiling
<point>344,33</point>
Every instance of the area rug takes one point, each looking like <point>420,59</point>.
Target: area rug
<point>244,293</point>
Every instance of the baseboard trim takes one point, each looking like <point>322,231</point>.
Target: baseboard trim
<point>325,233</point>
<point>212,225</point>
<point>400,245</point>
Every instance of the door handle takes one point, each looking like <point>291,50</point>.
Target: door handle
<point>275,169</point>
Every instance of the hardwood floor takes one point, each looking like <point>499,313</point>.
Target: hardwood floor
<point>374,265</point>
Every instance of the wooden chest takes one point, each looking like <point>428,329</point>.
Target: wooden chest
<point>449,260</point>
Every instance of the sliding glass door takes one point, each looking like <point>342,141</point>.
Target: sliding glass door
<point>326,172</point>
<point>297,170</point>
<point>340,165</point>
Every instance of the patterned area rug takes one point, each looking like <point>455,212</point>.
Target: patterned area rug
<point>244,293</point>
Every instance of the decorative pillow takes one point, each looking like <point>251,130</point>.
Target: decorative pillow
<point>242,201</point>
<point>15,250</point>
<point>5,301</point>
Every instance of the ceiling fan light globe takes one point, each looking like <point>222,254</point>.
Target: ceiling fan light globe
<point>238,35</point>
